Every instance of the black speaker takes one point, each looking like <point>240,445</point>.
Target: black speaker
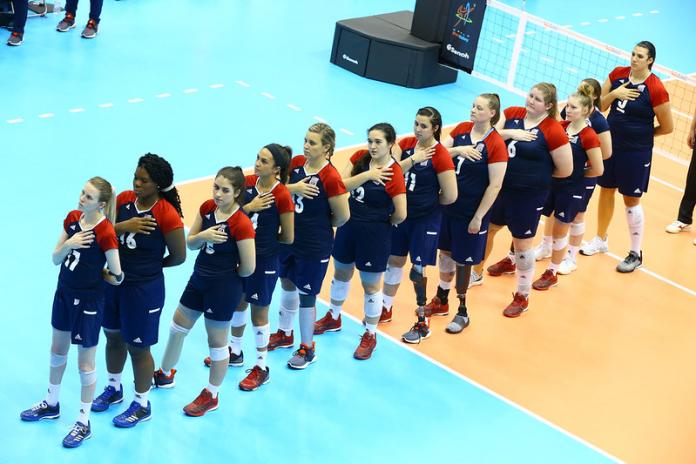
<point>382,48</point>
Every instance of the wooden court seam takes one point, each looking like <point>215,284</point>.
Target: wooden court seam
<point>483,388</point>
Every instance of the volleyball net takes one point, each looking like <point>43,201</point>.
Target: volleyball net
<point>517,49</point>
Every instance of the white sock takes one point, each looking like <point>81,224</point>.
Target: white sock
<point>262,334</point>
<point>525,271</point>
<point>445,285</point>
<point>308,317</point>
<point>553,267</point>
<point>115,380</point>
<point>387,301</point>
<point>573,251</point>
<point>83,415</point>
<point>53,394</point>
<point>547,241</point>
<point>335,311</point>
<point>167,373</point>
<point>213,390</point>
<point>236,344</point>
<point>511,255</point>
<point>634,217</point>
<point>141,398</point>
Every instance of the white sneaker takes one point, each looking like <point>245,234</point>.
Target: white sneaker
<point>567,266</point>
<point>597,245</point>
<point>476,279</point>
<point>542,251</point>
<point>676,227</point>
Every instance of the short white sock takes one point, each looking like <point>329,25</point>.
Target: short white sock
<point>236,344</point>
<point>387,301</point>
<point>213,390</point>
<point>53,394</point>
<point>83,415</point>
<point>115,380</point>
<point>141,398</point>
<point>335,311</point>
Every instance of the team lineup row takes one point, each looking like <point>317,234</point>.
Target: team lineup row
<point>392,200</point>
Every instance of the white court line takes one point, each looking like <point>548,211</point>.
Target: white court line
<point>667,184</point>
<point>46,115</point>
<point>637,14</point>
<point>216,86</point>
<point>163,95</point>
<point>654,11</point>
<point>190,90</point>
<point>135,100</point>
<point>585,23</point>
<point>346,131</point>
<point>682,114</point>
<point>483,388</point>
<point>268,95</point>
<point>294,107</point>
<point>320,119</point>
<point>106,105</point>
<point>76,110</point>
<point>620,17</point>
<point>15,121</point>
<point>657,276</point>
<point>242,83</point>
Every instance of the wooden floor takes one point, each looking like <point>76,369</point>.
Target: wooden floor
<point>603,355</point>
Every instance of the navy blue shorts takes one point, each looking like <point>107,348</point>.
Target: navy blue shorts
<point>590,183</point>
<point>307,274</point>
<point>367,244</point>
<point>259,286</point>
<point>79,312</point>
<point>135,308</point>
<point>465,248</point>
<point>419,238</point>
<point>520,211</point>
<point>215,298</point>
<point>629,171</point>
<point>564,203</point>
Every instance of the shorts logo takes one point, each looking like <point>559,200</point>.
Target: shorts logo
<point>469,260</point>
<point>207,216</point>
<point>152,311</point>
<point>561,214</point>
<point>255,296</point>
<point>209,311</point>
<point>308,287</point>
<point>128,206</point>
<point>76,301</point>
<point>137,340</point>
<point>529,232</point>
<point>72,227</point>
<point>77,337</point>
<point>418,258</point>
<point>368,264</point>
<point>637,191</point>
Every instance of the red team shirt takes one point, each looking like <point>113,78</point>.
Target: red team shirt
<point>141,254</point>
<point>221,259</point>
<point>313,230</point>
<point>82,268</point>
<point>632,122</point>
<point>530,166</point>
<point>422,186</point>
<point>267,222</point>
<point>372,201</point>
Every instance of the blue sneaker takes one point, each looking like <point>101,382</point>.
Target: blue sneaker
<point>108,397</point>
<point>131,416</point>
<point>40,410</point>
<point>79,433</point>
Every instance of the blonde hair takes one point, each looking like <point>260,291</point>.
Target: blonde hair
<point>106,195</point>
<point>584,95</point>
<point>550,96</point>
<point>328,136</point>
<point>494,105</point>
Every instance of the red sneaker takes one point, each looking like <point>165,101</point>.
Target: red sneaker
<point>504,266</point>
<point>160,380</point>
<point>435,308</point>
<point>280,340</point>
<point>255,379</point>
<point>327,324</point>
<point>368,343</point>
<point>386,315</point>
<point>520,304</point>
<point>547,280</point>
<point>202,404</point>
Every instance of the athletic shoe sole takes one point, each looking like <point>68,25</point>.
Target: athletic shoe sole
<point>169,385</point>
<point>337,329</point>
<point>108,406</point>
<point>512,316</point>
<point>413,342</point>
<point>56,416</point>
<point>66,30</point>
<point>299,368</point>
<point>256,388</point>
<point>129,425</point>
<point>628,271</point>
<point>203,413</point>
